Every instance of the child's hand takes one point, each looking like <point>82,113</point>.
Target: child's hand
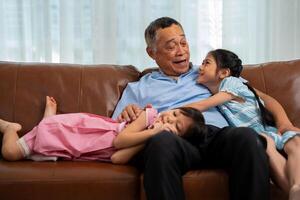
<point>159,126</point>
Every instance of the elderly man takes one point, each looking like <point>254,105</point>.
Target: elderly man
<point>166,157</point>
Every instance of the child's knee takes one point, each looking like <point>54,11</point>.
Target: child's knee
<point>292,145</point>
<point>269,143</point>
<point>11,154</point>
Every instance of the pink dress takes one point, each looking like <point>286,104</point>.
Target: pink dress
<point>75,136</point>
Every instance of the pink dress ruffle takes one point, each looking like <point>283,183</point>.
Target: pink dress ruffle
<point>75,136</point>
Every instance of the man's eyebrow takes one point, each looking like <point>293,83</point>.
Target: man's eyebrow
<point>168,41</point>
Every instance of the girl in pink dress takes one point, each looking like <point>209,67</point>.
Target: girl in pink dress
<point>84,137</point>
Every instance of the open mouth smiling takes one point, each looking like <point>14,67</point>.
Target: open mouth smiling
<point>180,61</point>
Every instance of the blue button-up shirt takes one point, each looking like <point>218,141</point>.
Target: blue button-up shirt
<point>165,93</point>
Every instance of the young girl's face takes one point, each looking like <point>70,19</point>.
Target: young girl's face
<point>208,73</point>
<point>178,122</point>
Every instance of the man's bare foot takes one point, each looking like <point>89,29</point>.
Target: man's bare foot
<point>51,107</point>
<point>295,193</point>
<point>5,125</point>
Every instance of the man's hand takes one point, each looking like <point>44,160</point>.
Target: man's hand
<point>130,113</point>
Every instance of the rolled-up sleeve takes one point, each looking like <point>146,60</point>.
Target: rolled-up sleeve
<point>129,96</point>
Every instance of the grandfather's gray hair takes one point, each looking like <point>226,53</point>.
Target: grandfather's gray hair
<point>163,22</point>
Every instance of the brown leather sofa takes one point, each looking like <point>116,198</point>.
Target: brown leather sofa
<point>96,89</point>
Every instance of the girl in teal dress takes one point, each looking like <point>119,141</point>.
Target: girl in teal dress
<point>241,105</point>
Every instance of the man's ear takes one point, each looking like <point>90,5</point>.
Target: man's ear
<point>151,52</point>
<point>223,73</point>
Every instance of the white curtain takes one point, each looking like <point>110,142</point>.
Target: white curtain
<point>112,31</point>
<point>262,30</point>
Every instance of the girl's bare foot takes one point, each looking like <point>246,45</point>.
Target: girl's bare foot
<point>295,193</point>
<point>4,125</point>
<point>51,107</point>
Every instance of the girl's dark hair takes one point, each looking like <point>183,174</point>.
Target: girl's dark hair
<point>228,60</point>
<point>266,116</point>
<point>198,126</point>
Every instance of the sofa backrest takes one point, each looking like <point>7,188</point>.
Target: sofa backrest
<point>97,88</point>
<point>281,80</point>
<point>77,88</point>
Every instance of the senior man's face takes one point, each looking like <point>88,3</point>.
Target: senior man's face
<point>171,51</point>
